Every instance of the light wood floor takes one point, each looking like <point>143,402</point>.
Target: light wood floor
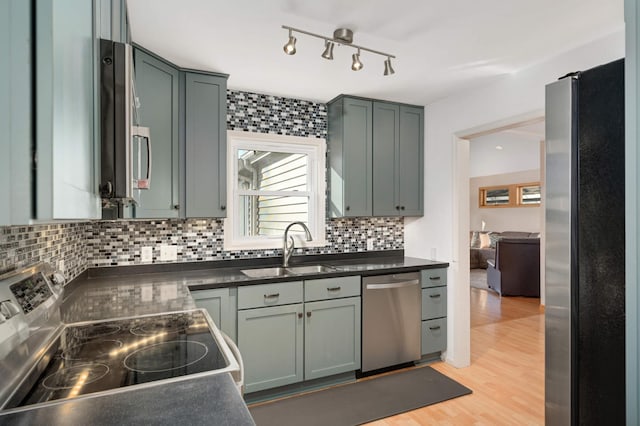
<point>506,372</point>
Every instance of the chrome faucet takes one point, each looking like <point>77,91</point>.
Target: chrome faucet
<point>288,242</point>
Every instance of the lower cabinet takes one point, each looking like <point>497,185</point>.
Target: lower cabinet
<point>270,341</point>
<point>221,304</point>
<point>331,337</point>
<point>434,310</point>
<point>302,337</point>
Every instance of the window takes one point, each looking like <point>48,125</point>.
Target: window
<point>274,180</point>
<point>514,195</point>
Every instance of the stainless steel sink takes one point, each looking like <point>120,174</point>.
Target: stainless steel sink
<point>310,269</point>
<point>281,272</point>
<point>265,272</point>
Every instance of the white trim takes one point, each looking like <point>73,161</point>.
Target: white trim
<point>315,149</point>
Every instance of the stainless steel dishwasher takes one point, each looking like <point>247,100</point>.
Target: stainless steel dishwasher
<point>391,317</point>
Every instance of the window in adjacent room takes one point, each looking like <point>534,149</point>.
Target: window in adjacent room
<point>513,195</point>
<point>274,180</point>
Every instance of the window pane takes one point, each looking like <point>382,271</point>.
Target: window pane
<point>272,171</point>
<point>496,197</point>
<point>530,194</point>
<point>270,215</point>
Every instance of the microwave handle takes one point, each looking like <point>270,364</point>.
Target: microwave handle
<point>143,132</point>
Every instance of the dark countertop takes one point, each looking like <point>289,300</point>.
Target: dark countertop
<point>114,293</point>
<point>209,400</point>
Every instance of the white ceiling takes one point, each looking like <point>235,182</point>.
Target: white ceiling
<point>441,46</point>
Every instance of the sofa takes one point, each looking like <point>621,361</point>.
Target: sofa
<point>481,253</point>
<point>515,271</point>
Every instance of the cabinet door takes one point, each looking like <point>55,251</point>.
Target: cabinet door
<point>270,340</point>
<point>206,145</point>
<point>357,157</point>
<point>386,136</point>
<point>221,305</point>
<point>65,55</point>
<point>411,160</point>
<point>15,112</point>
<point>157,91</point>
<point>332,337</point>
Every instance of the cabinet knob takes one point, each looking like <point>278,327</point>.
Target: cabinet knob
<point>223,207</point>
<point>176,206</point>
<point>309,314</point>
<point>402,208</point>
<point>348,208</point>
<point>299,314</point>
<point>397,207</point>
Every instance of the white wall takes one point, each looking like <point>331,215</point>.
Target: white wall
<point>518,153</point>
<point>500,219</point>
<point>513,95</point>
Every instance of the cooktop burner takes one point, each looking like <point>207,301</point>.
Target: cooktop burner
<point>161,357</point>
<point>107,355</point>
<point>75,377</point>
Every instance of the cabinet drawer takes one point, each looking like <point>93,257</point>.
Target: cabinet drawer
<point>331,288</point>
<point>258,296</point>
<point>434,335</point>
<point>434,277</point>
<point>434,302</point>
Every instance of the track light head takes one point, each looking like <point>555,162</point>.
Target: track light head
<point>356,65</point>
<point>328,50</point>
<point>388,69</point>
<point>290,47</point>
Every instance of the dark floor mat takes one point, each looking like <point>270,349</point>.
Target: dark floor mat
<point>361,402</point>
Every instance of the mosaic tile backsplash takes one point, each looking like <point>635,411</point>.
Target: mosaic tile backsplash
<point>24,245</point>
<point>116,243</point>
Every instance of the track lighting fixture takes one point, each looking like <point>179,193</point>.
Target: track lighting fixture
<point>388,69</point>
<point>356,65</point>
<point>343,37</point>
<point>290,47</point>
<point>328,50</point>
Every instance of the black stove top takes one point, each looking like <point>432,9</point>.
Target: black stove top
<point>113,354</point>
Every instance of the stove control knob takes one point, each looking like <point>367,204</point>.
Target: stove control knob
<point>9,309</point>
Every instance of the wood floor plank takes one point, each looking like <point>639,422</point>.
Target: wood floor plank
<point>506,372</point>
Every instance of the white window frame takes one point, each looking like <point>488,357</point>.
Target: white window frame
<point>315,149</point>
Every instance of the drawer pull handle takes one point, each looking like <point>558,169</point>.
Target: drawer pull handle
<point>434,278</point>
<point>271,296</point>
<point>334,288</point>
<point>435,328</point>
<point>434,296</point>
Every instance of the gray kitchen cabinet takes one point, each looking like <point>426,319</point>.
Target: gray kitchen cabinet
<point>331,337</point>
<point>398,141</point>
<point>156,87</point>
<point>271,343</point>
<point>65,102</point>
<point>221,304</point>
<point>205,144</point>
<point>15,112</point>
<point>434,310</point>
<point>376,161</point>
<point>350,157</point>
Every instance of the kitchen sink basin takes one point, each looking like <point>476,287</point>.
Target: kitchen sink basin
<point>281,272</point>
<point>310,269</point>
<point>265,272</point>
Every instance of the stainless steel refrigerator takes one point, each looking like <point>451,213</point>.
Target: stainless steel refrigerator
<point>584,252</point>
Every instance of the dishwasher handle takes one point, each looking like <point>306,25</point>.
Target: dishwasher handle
<point>393,285</point>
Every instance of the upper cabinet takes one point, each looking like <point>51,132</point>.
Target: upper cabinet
<point>65,99</point>
<point>376,158</point>
<point>205,145</point>
<point>156,87</point>
<point>350,157</point>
